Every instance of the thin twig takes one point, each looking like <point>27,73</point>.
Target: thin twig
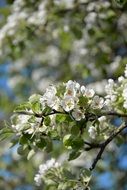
<point>92,145</point>
<point>105,143</point>
<point>112,113</point>
<point>28,113</point>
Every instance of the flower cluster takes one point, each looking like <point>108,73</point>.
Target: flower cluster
<point>70,101</point>
<point>116,97</point>
<point>53,174</point>
<point>43,169</point>
<point>26,123</point>
<point>18,19</point>
<point>79,102</point>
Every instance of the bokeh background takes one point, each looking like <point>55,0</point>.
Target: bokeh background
<point>46,42</point>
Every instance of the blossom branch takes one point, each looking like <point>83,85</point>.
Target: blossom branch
<point>112,113</point>
<point>39,115</point>
<point>92,145</point>
<point>105,143</point>
<point>88,115</point>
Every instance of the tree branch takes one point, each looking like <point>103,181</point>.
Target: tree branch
<point>112,113</point>
<point>92,145</point>
<point>105,143</point>
<point>41,114</point>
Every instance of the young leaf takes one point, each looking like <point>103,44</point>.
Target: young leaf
<point>74,154</point>
<point>30,154</point>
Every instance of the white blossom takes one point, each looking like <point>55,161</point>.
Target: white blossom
<point>88,92</point>
<point>125,104</point>
<point>108,104</point>
<point>83,89</point>
<point>21,120</point>
<point>90,19</point>
<point>121,79</point>
<point>71,88</point>
<point>68,103</point>
<point>125,72</point>
<point>50,98</point>
<point>78,114</point>
<point>66,3</point>
<point>102,119</point>
<point>43,169</point>
<point>97,102</point>
<point>92,132</point>
<point>34,127</point>
<point>109,88</point>
<point>124,94</point>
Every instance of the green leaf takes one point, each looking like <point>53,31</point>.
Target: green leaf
<point>75,130</point>
<point>83,101</point>
<point>30,154</point>
<point>22,150</point>
<point>77,31</point>
<point>86,175</point>
<point>36,107</point>
<point>47,121</point>
<point>49,145</point>
<point>77,143</point>
<point>47,110</point>
<point>23,107</point>
<point>34,98</point>
<point>60,118</point>
<point>6,133</point>
<point>120,3</point>
<point>23,140</point>
<point>67,140</point>
<point>14,141</point>
<point>74,154</point>
<point>41,143</point>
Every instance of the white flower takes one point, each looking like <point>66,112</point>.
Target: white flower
<point>92,132</point>
<point>71,88</point>
<point>17,127</point>
<point>83,89</point>
<point>90,19</point>
<point>125,105</point>
<point>38,179</point>
<point>102,119</point>
<point>88,92</point>
<point>97,102</point>
<point>109,89</point>
<point>125,72</point>
<point>34,127</point>
<point>120,79</point>
<point>124,94</point>
<point>50,98</point>
<point>108,104</point>
<point>21,121</point>
<point>78,114</point>
<point>68,103</point>
<point>43,168</point>
<point>72,84</point>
